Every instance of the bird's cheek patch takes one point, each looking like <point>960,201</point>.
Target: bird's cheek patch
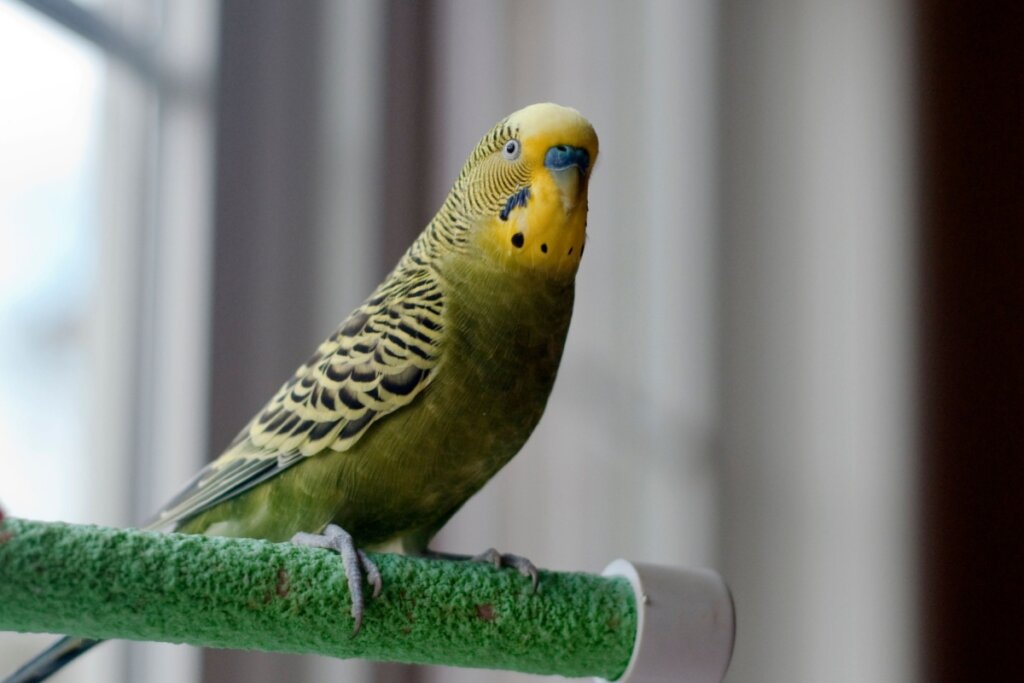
<point>543,236</point>
<point>520,198</point>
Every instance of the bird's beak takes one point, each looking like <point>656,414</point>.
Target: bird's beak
<point>568,166</point>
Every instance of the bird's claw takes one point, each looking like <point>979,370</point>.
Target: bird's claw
<point>355,561</point>
<point>372,573</point>
<point>517,562</point>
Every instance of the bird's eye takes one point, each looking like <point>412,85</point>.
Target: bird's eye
<point>512,150</point>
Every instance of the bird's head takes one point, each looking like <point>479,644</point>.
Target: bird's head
<point>523,191</point>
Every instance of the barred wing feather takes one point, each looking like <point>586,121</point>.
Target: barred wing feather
<point>379,360</point>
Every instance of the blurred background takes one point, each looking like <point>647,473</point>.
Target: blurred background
<point>796,352</point>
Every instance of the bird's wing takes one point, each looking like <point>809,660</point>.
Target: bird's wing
<point>380,358</point>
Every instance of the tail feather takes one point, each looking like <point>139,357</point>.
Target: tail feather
<point>50,660</point>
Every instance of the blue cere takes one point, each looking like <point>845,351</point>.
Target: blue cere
<point>561,157</point>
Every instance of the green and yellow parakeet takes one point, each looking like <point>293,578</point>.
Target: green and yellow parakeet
<point>428,388</point>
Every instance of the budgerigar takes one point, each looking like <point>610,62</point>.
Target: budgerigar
<point>429,387</point>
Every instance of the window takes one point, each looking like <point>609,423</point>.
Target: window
<point>104,249</point>
<point>49,173</point>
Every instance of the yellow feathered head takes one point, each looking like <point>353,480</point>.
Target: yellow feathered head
<point>522,194</point>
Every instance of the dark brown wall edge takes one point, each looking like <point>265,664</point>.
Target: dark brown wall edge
<point>971,141</point>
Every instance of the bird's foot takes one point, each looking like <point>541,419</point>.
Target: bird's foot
<point>354,560</point>
<point>498,560</point>
<point>517,562</point>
